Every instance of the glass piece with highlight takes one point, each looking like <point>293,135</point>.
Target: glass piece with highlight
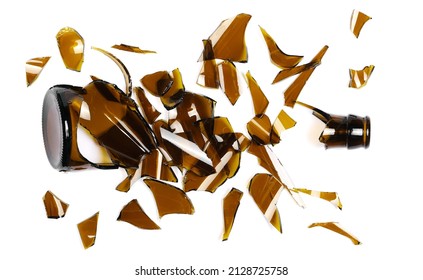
<point>149,111</point>
<point>88,230</point>
<point>169,199</point>
<point>134,214</point>
<point>71,46</point>
<point>277,56</point>
<point>358,19</point>
<point>228,78</point>
<point>260,129</point>
<point>286,73</point>
<point>126,184</point>
<point>228,39</point>
<point>342,131</point>
<point>208,76</point>
<point>157,83</point>
<point>55,208</point>
<point>265,190</point>
<point>283,122</point>
<point>260,101</point>
<point>34,67</point>
<point>293,91</point>
<point>230,206</point>
<point>128,48</point>
<point>334,226</point>
<point>332,197</point>
<point>359,78</point>
<point>154,166</point>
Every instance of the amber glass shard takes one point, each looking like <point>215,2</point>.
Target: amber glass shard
<point>126,184</point>
<point>208,75</point>
<point>359,78</point>
<point>128,48</point>
<point>122,67</point>
<point>283,122</point>
<point>259,129</point>
<point>88,230</point>
<point>169,199</point>
<point>332,197</point>
<point>172,97</point>
<point>228,39</point>
<point>134,214</point>
<point>34,67</point>
<point>71,46</point>
<point>260,101</point>
<point>358,19</point>
<point>265,190</point>
<point>55,208</point>
<point>277,56</point>
<point>293,91</point>
<point>157,83</point>
<point>154,166</point>
<point>334,226</point>
<point>230,206</point>
<point>243,142</point>
<point>150,113</point>
<point>228,78</point>
<point>286,73</point>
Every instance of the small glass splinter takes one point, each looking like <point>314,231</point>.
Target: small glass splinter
<point>88,230</point>
<point>55,208</point>
<point>71,46</point>
<point>359,78</point>
<point>332,197</point>
<point>334,226</point>
<point>260,101</point>
<point>230,207</point>
<point>34,67</point>
<point>129,48</point>
<point>133,213</point>
<point>358,19</point>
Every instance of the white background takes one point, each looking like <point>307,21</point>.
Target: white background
<point>380,187</point>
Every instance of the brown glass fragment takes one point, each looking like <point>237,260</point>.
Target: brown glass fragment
<point>332,197</point>
<point>208,76</point>
<point>228,39</point>
<point>229,80</point>
<point>169,199</point>
<point>134,214</point>
<point>157,83</point>
<point>55,207</point>
<point>154,166</point>
<point>230,207</point>
<point>359,78</point>
<point>259,129</point>
<point>334,226</point>
<point>128,48</point>
<point>265,190</point>
<point>260,101</point>
<point>282,122</point>
<point>293,91</point>
<point>358,19</point>
<point>88,230</point>
<point>342,131</point>
<point>34,67</point>
<point>277,56</point>
<point>71,46</point>
<point>150,113</point>
<point>126,184</point>
<point>286,73</point>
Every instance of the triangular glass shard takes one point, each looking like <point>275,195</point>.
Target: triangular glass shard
<point>260,101</point>
<point>208,76</point>
<point>88,230</point>
<point>150,112</point>
<point>55,208</point>
<point>282,122</point>
<point>331,197</point>
<point>358,19</point>
<point>34,67</point>
<point>134,214</point>
<point>230,206</point>
<point>228,78</point>
<point>71,46</point>
<point>336,227</point>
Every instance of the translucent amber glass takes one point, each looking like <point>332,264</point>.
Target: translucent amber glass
<point>71,46</point>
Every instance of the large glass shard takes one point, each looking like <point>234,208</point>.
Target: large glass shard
<point>169,199</point>
<point>358,19</point>
<point>332,197</point>
<point>122,67</point>
<point>283,122</point>
<point>334,226</point>
<point>128,48</point>
<point>149,111</point>
<point>293,91</point>
<point>228,39</point>
<point>153,165</point>
<point>265,190</point>
<point>260,101</point>
<point>260,129</point>
<point>134,214</point>
<point>71,47</point>
<point>277,56</point>
<point>286,73</point>
<point>34,67</point>
<point>55,207</point>
<point>230,206</point>
<point>342,131</point>
<point>208,75</point>
<point>359,78</point>
<point>88,230</point>
<point>228,78</point>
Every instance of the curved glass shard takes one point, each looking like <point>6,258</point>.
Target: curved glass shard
<point>149,111</point>
<point>260,101</point>
<point>277,56</point>
<point>55,208</point>
<point>260,129</point>
<point>33,68</point>
<point>228,78</point>
<point>71,46</point>
<point>88,230</point>
<point>358,19</point>
<point>129,48</point>
<point>336,227</point>
<point>332,197</point>
<point>169,199</point>
<point>286,73</point>
<point>134,214</point>
<point>359,78</point>
<point>230,206</point>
